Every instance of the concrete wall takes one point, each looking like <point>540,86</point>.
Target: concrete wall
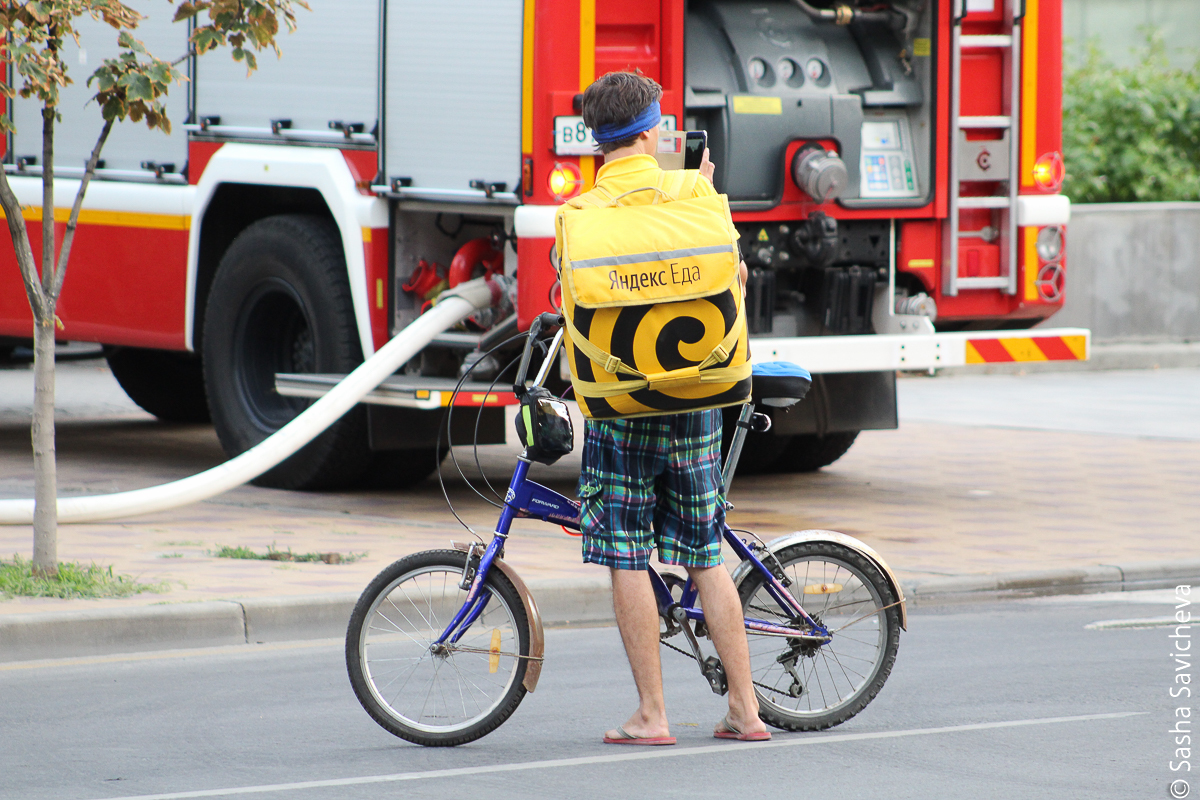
<point>1133,272</point>
<point>1119,26</point>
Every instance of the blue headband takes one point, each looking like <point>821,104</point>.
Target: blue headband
<point>649,118</point>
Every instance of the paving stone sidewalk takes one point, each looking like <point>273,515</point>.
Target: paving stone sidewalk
<point>936,500</point>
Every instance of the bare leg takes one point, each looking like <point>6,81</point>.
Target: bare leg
<point>637,619</point>
<point>723,616</point>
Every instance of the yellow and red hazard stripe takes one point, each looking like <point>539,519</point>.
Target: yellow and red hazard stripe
<point>1026,348</point>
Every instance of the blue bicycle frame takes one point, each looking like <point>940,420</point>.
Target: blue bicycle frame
<point>529,499</point>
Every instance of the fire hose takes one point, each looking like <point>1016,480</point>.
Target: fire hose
<point>454,305</point>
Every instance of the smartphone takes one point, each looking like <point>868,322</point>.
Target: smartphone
<point>694,146</point>
<point>681,149</point>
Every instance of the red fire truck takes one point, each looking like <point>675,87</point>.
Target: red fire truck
<point>893,168</point>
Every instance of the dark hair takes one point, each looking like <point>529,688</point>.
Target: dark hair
<point>615,99</point>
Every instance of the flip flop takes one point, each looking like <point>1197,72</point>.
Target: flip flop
<point>726,730</point>
<point>626,738</point>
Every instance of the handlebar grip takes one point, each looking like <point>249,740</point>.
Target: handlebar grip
<point>550,320</point>
<point>535,328</point>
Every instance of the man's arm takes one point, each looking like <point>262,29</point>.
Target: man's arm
<point>707,169</point>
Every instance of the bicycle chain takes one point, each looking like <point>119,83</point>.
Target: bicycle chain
<point>692,656</point>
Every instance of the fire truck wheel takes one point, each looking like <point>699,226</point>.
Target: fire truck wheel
<point>809,452</point>
<point>280,302</point>
<point>168,385</point>
<point>399,469</point>
<point>760,450</point>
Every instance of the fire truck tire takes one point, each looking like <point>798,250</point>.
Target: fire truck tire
<point>399,469</point>
<point>280,302</point>
<point>168,385</point>
<point>760,450</point>
<point>809,452</point>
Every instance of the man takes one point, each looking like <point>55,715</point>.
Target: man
<point>655,481</point>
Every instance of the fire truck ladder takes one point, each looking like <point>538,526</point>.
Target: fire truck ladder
<point>992,160</point>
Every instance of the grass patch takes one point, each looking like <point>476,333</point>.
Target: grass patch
<point>74,580</point>
<point>287,555</point>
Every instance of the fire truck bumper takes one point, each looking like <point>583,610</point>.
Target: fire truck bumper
<point>886,352</point>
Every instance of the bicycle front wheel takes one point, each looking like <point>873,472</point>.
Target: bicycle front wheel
<point>805,687</point>
<point>430,694</point>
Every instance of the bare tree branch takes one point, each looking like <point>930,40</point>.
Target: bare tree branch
<point>69,235</point>
<point>20,239</point>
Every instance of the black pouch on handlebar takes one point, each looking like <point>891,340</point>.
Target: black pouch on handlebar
<point>544,427</point>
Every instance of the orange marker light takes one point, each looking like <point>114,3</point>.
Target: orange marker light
<point>1049,172</point>
<point>566,181</point>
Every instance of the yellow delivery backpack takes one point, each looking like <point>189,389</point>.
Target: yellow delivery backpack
<point>656,322</point>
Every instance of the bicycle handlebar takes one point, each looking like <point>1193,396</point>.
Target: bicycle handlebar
<point>540,322</point>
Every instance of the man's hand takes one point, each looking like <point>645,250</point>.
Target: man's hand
<point>707,168</point>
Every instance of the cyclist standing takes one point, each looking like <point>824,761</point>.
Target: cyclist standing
<point>655,481</point>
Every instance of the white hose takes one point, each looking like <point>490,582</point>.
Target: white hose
<point>457,304</point>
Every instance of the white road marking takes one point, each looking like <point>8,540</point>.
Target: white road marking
<point>641,754</point>
<point>1138,596</point>
<point>167,655</point>
<point>1131,624</point>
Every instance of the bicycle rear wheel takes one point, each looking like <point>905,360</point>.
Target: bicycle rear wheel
<point>803,687</point>
<point>436,695</point>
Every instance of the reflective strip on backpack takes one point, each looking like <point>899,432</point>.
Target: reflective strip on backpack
<point>659,255</point>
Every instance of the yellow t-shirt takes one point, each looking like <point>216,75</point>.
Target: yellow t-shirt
<point>634,172</point>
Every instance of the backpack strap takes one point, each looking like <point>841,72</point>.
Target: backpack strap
<point>704,372</point>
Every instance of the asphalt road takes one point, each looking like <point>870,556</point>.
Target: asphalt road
<point>1014,700</point>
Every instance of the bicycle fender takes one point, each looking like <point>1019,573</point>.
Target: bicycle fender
<point>537,634</point>
<point>799,537</point>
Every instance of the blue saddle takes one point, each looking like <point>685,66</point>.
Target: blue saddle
<point>780,383</point>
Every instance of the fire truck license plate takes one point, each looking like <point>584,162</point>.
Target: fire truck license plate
<point>573,138</point>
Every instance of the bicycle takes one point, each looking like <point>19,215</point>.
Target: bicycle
<point>443,645</point>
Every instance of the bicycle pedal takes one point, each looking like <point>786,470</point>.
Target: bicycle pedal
<point>714,672</point>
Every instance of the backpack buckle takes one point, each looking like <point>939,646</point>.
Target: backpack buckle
<point>676,378</point>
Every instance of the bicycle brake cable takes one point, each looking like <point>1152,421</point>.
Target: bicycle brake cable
<point>449,438</point>
<point>449,417</point>
<point>767,550</point>
<point>478,418</point>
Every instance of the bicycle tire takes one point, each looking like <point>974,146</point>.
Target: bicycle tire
<point>388,642</point>
<point>828,684</point>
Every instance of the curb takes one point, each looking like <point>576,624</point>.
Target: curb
<point>562,603</point>
<point>1082,580</point>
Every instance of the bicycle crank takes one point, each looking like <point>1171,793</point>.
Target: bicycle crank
<point>711,668</point>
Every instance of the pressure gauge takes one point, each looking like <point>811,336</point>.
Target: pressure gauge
<point>787,68</point>
<point>815,69</point>
<point>758,69</point>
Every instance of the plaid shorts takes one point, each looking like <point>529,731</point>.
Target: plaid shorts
<point>653,482</point>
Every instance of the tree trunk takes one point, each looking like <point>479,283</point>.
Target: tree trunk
<point>45,488</point>
<point>45,467</point>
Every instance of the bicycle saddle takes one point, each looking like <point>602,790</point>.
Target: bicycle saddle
<point>780,383</point>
